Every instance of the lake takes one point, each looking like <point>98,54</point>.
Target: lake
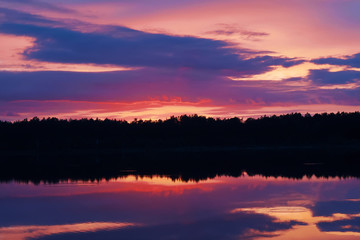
<point>133,207</point>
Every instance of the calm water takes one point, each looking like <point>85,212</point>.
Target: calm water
<point>159,208</point>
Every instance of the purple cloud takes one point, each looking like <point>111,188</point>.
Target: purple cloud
<point>40,5</point>
<point>351,61</point>
<point>147,83</point>
<point>128,47</point>
<point>325,77</point>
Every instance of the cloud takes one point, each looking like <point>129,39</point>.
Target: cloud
<point>350,210</point>
<point>234,29</point>
<point>146,83</point>
<point>350,61</point>
<point>106,86</point>
<point>329,208</point>
<point>346,225</point>
<point>12,114</point>
<point>325,77</point>
<point>38,5</point>
<point>14,16</point>
<point>128,47</point>
<point>230,226</point>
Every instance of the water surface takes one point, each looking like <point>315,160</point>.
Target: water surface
<point>160,208</point>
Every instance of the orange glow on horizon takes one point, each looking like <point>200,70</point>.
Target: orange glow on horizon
<point>158,108</point>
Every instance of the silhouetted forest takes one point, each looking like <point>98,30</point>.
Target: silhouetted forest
<point>186,147</point>
<point>184,131</point>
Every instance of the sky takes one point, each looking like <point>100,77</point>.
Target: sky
<point>126,59</point>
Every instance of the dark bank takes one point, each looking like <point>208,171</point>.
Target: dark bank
<point>185,147</point>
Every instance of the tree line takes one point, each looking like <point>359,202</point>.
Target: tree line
<point>183,131</point>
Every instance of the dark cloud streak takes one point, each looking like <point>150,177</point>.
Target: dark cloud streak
<point>325,77</point>
<point>351,61</point>
<point>233,29</point>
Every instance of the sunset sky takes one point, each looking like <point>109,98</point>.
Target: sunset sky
<point>129,59</point>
